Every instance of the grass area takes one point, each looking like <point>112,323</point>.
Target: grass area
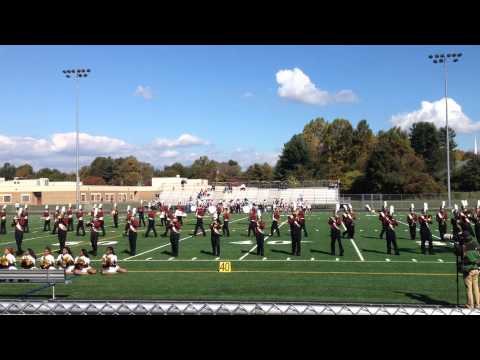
<point>365,274</point>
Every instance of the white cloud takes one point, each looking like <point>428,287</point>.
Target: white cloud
<point>58,151</point>
<point>247,94</point>
<point>182,140</point>
<point>144,91</point>
<point>296,85</point>
<point>434,112</point>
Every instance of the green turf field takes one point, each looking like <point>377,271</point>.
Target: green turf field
<point>365,274</point>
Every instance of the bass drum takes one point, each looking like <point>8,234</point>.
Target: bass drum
<point>193,208</point>
<point>212,210</point>
<point>246,209</point>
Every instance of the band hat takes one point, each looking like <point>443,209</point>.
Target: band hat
<point>412,207</point>
<point>63,209</point>
<point>19,212</point>
<point>80,207</point>
<point>100,206</point>
<point>46,207</point>
<point>391,209</point>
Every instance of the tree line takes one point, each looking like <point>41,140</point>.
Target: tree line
<point>391,161</point>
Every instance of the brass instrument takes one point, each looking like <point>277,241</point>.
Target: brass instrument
<point>3,262</point>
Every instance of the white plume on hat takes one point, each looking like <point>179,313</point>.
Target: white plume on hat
<point>4,207</point>
<point>57,208</point>
<point>63,209</point>
<point>391,209</point>
<point>337,207</point>
<point>17,205</point>
<point>26,206</point>
<point>350,207</point>
<point>368,208</point>
<point>46,207</point>
<point>80,207</point>
<point>134,211</point>
<point>69,205</point>
<point>425,207</point>
<point>128,208</point>
<point>19,212</point>
<point>385,204</point>
<point>100,206</point>
<point>478,204</point>
<point>455,208</point>
<point>95,212</point>
<point>115,205</point>
<point>443,205</point>
<point>412,207</point>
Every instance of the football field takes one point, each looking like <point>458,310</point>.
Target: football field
<point>365,274</point>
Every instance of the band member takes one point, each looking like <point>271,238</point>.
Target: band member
<point>110,263</point>
<point>80,223</point>
<point>335,222</point>
<point>26,228</point>
<point>28,260</point>
<point>215,228</point>
<point>127,219</point>
<point>175,228</point>
<point>95,227</point>
<point>391,235</point>
<point>82,264</point>
<point>92,211</point>
<point>455,222</point>
<point>163,211</point>
<point>46,219</point>
<point>66,261</point>
<point>100,217</point>
<point>179,212</point>
<point>252,225</point>
<point>132,233</point>
<point>70,218</point>
<point>349,221</point>
<point>62,229</point>
<point>226,221</point>
<point>477,221</point>
<point>412,220</point>
<point>425,221</point>
<point>169,219</point>
<point>19,224</point>
<point>260,236</point>
<point>442,218</point>
<point>56,216</point>
<point>3,220</point>
<point>47,261</point>
<point>115,215</point>
<point>151,221</point>
<point>301,219</point>
<point>8,261</point>
<point>141,215</point>
<point>275,220</point>
<point>382,217</point>
<point>296,233</point>
<point>199,213</point>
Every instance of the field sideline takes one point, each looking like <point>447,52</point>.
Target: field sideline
<point>365,274</point>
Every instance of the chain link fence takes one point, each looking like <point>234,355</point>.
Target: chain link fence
<point>219,308</point>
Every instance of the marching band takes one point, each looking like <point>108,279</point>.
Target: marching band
<point>463,219</point>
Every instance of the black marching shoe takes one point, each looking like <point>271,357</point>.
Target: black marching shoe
<point>341,254</point>
<point>397,253</point>
<point>431,252</point>
<point>424,251</point>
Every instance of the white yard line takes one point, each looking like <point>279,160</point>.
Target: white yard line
<point>168,244</point>
<point>435,236</point>
<point>357,250</point>
<point>25,240</point>
<point>295,260</point>
<point>255,246</point>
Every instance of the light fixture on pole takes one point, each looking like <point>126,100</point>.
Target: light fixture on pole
<point>77,74</point>
<point>444,59</point>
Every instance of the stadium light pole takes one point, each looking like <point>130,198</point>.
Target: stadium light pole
<point>444,59</point>
<point>77,74</point>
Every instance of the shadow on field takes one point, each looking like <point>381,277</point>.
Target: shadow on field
<point>320,251</point>
<point>166,252</point>
<point>207,252</point>
<point>425,299</point>
<point>281,251</point>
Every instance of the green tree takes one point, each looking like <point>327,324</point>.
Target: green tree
<point>468,177</point>
<point>294,160</point>
<point>425,141</point>
<point>102,167</point>
<point>259,172</point>
<point>394,168</point>
<point>7,171</point>
<point>24,171</point>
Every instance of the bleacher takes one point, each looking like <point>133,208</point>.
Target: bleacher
<point>313,196</point>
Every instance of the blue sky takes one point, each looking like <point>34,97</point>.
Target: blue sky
<point>226,98</point>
